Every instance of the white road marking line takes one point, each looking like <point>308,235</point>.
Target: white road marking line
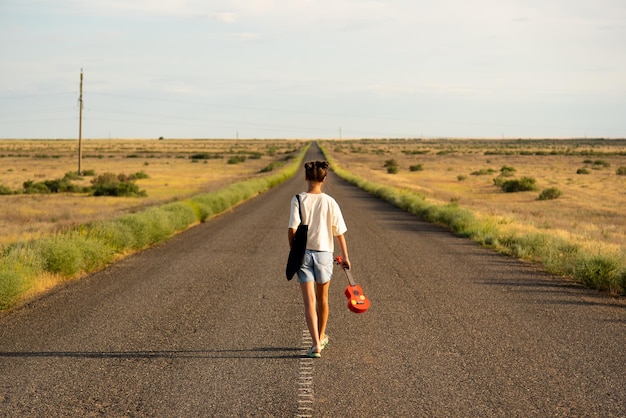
<point>305,380</point>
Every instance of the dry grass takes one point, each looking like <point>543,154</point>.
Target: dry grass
<point>172,175</point>
<point>590,210</point>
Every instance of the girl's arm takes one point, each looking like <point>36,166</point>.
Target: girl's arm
<point>341,240</point>
<point>290,234</point>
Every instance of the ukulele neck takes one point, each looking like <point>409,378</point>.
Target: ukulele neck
<point>350,278</point>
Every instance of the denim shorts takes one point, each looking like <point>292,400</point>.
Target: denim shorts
<point>317,267</point>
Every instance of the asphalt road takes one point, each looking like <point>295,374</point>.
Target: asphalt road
<point>207,325</point>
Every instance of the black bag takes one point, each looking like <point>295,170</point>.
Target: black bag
<point>298,246</point>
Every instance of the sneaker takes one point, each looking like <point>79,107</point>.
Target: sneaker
<point>313,354</point>
<point>324,342</point>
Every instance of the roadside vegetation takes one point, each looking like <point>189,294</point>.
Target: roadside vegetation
<point>28,267</point>
<point>42,193</point>
<point>107,184</point>
<point>506,212</point>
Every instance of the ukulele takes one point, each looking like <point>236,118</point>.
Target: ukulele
<point>357,301</point>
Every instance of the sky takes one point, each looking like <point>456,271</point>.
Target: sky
<point>313,68</point>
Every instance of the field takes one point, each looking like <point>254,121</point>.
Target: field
<point>590,207</point>
<point>577,230</point>
<point>589,174</point>
<point>174,169</point>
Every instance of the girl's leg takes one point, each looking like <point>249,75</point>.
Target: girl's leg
<point>321,292</point>
<point>308,296</point>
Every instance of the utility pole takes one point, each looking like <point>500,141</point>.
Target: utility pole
<point>80,124</point>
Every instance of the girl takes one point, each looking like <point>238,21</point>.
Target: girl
<point>323,216</point>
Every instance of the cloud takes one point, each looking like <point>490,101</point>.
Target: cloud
<point>298,11</point>
<point>225,17</point>
<point>246,36</point>
<point>141,8</point>
<point>169,7</point>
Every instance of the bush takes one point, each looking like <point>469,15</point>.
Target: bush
<point>525,184</point>
<point>31,187</point>
<point>71,175</point>
<point>529,246</point>
<point>11,286</point>
<point>601,164</point>
<point>390,163</point>
<point>70,254</point>
<point>109,184</point>
<point>483,172</point>
<point>621,171</point>
<point>18,263</point>
<point>147,227</point>
<point>271,166</point>
<point>458,219</point>
<point>62,185</point>
<point>115,233</point>
<point>550,193</point>
<point>416,167</point>
<point>181,214</point>
<point>582,171</point>
<point>142,229</point>
<point>139,175</point>
<point>507,171</point>
<point>60,255</point>
<point>236,159</point>
<point>600,272</point>
<point>204,156</point>
<point>392,166</point>
<point>4,190</point>
<point>95,253</point>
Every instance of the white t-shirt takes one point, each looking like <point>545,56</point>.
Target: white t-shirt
<point>323,215</point>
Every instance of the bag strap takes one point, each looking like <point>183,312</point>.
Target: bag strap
<point>300,208</point>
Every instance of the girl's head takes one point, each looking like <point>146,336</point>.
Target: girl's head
<point>316,170</point>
